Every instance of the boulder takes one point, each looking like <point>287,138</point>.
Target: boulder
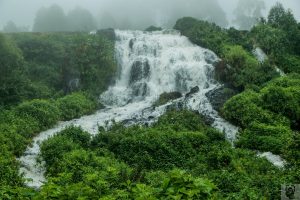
<point>139,70</point>
<point>219,96</point>
<point>193,91</point>
<point>166,97</point>
<point>108,33</point>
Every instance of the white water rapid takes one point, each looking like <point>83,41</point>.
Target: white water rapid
<point>150,64</point>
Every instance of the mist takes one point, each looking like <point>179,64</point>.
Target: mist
<point>133,14</point>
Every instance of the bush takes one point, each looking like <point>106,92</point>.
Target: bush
<point>77,135</point>
<point>53,150</point>
<point>202,33</point>
<point>264,137</point>
<point>243,109</point>
<point>285,101</point>
<point>75,105</point>
<point>166,97</point>
<point>43,111</point>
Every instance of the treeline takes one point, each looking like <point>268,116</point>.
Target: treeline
<point>51,65</point>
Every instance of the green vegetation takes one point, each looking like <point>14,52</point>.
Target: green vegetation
<point>178,157</point>
<point>269,116</point>
<point>166,97</point>
<point>278,36</point>
<point>46,78</point>
<point>76,105</point>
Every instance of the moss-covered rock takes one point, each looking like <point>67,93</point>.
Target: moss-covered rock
<point>166,97</point>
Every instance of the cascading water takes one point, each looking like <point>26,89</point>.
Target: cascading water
<point>150,64</point>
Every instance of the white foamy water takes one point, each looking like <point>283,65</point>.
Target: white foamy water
<point>150,64</point>
<point>261,56</point>
<point>274,159</point>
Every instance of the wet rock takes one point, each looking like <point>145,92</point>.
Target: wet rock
<point>219,96</point>
<point>131,43</point>
<point>210,58</point>
<point>222,71</point>
<point>74,84</point>
<point>193,91</point>
<point>151,117</point>
<point>166,97</point>
<point>153,28</point>
<point>139,89</point>
<point>108,33</point>
<point>139,70</point>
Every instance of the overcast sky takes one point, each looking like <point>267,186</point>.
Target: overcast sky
<point>22,12</point>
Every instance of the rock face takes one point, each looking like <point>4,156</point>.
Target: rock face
<point>219,96</point>
<point>193,91</point>
<point>166,97</point>
<point>74,84</point>
<point>221,71</point>
<point>140,70</point>
<point>108,33</point>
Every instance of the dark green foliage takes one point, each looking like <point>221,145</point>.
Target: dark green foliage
<point>243,109</point>
<point>75,105</point>
<point>202,33</point>
<point>43,111</point>
<point>66,62</point>
<point>8,169</point>
<point>279,36</point>
<point>267,116</point>
<point>19,125</point>
<point>272,40</point>
<point>153,28</point>
<point>285,101</point>
<point>290,63</point>
<point>265,137</point>
<point>166,97</point>
<point>12,82</point>
<point>212,168</point>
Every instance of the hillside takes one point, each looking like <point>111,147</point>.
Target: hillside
<point>192,116</point>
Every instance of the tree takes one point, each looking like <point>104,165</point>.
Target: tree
<point>80,19</point>
<point>280,18</point>
<point>10,27</point>
<point>11,81</point>
<point>50,19</point>
<point>284,19</point>
<point>247,12</point>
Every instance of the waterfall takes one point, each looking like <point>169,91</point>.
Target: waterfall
<point>150,63</point>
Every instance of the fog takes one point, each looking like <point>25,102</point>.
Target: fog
<point>134,14</point>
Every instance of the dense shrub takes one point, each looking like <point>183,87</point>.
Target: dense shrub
<point>75,105</point>
<point>43,111</point>
<point>285,101</point>
<point>267,116</point>
<point>243,109</point>
<point>265,137</point>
